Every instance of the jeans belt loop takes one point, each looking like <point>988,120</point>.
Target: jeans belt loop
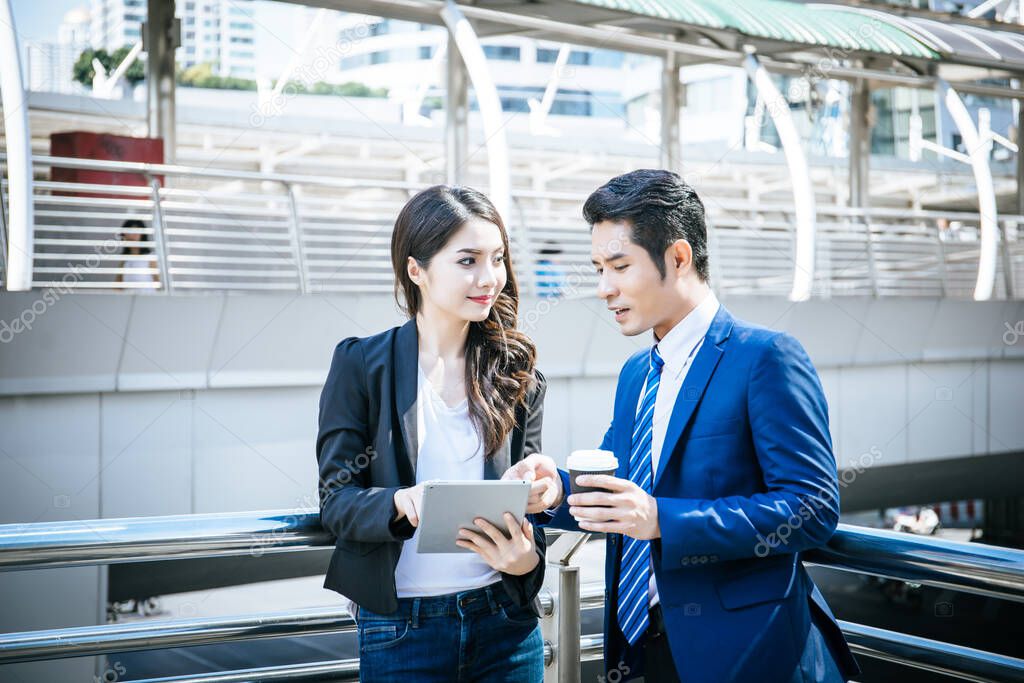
<point>414,616</point>
<point>492,600</point>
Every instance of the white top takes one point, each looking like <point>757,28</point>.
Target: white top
<point>450,448</point>
<point>678,349</point>
<point>135,271</point>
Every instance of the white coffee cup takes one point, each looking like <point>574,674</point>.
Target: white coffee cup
<point>590,462</point>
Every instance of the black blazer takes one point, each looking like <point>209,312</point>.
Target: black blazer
<point>366,449</point>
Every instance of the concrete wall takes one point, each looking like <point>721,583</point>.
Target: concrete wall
<point>137,405</point>
<point>120,406</point>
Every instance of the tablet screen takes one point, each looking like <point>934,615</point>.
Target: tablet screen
<point>452,505</point>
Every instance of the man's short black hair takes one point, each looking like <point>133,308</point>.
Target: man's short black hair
<point>660,207</point>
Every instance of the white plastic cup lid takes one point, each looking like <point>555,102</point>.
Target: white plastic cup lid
<point>592,460</point>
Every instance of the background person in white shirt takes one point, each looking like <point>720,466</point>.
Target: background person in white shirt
<point>136,269</point>
<point>453,394</point>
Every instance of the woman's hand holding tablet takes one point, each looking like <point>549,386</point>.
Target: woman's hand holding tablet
<point>449,507</point>
<point>514,553</point>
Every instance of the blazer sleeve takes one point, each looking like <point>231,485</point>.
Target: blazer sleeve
<point>524,589</point>
<point>559,517</point>
<point>349,508</point>
<point>799,508</point>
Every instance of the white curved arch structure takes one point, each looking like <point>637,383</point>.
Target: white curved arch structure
<point>19,156</point>
<point>978,155</point>
<point>796,160</point>
<point>490,105</point>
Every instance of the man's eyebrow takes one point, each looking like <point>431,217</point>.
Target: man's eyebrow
<point>613,257</point>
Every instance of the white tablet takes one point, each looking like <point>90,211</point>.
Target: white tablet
<point>452,505</point>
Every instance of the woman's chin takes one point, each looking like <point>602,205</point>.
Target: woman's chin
<point>476,314</point>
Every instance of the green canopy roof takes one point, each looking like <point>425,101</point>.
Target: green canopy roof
<point>791,22</point>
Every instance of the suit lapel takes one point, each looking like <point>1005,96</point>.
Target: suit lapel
<point>407,354</point>
<point>692,391</point>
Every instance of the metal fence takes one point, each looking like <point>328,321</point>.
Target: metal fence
<point>974,568</point>
<point>215,229</point>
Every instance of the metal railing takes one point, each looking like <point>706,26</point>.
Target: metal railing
<point>973,568</point>
<point>217,229</point>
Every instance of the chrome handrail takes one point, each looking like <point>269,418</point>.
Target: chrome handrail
<point>936,656</point>
<point>159,239</point>
<point>231,240</point>
<point>131,539</point>
<point>970,567</point>
<point>964,663</point>
<point>339,670</point>
<point>985,570</point>
<point>145,168</point>
<point>81,641</point>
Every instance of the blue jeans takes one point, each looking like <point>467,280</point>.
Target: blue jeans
<point>478,635</point>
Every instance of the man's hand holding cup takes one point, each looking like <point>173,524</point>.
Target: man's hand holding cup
<point>546,485</point>
<point>601,502</point>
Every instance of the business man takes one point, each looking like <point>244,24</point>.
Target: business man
<point>726,472</point>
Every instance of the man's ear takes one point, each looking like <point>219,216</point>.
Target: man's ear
<point>681,255</point>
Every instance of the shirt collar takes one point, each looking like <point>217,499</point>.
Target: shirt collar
<point>675,347</point>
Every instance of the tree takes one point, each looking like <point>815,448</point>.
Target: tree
<point>83,72</point>
<point>202,76</point>
<point>136,72</point>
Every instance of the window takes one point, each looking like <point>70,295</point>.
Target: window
<point>611,59</point>
<point>547,55</point>
<point>354,62</point>
<point>502,52</point>
<point>426,51</point>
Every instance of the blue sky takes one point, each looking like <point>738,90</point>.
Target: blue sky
<point>278,24</point>
<point>39,19</point>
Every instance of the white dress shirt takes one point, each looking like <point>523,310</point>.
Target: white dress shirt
<point>450,448</point>
<point>678,349</point>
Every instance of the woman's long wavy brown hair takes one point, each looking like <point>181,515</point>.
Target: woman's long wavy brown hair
<point>499,358</point>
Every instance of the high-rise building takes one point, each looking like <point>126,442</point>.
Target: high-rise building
<point>216,32</point>
<point>50,66</point>
<point>219,33</point>
<point>116,23</point>
<point>399,55</point>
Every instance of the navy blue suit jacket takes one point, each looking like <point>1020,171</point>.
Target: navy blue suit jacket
<point>745,482</point>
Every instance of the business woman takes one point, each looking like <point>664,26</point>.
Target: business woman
<point>452,394</point>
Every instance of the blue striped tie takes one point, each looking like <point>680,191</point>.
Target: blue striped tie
<point>635,573</point>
